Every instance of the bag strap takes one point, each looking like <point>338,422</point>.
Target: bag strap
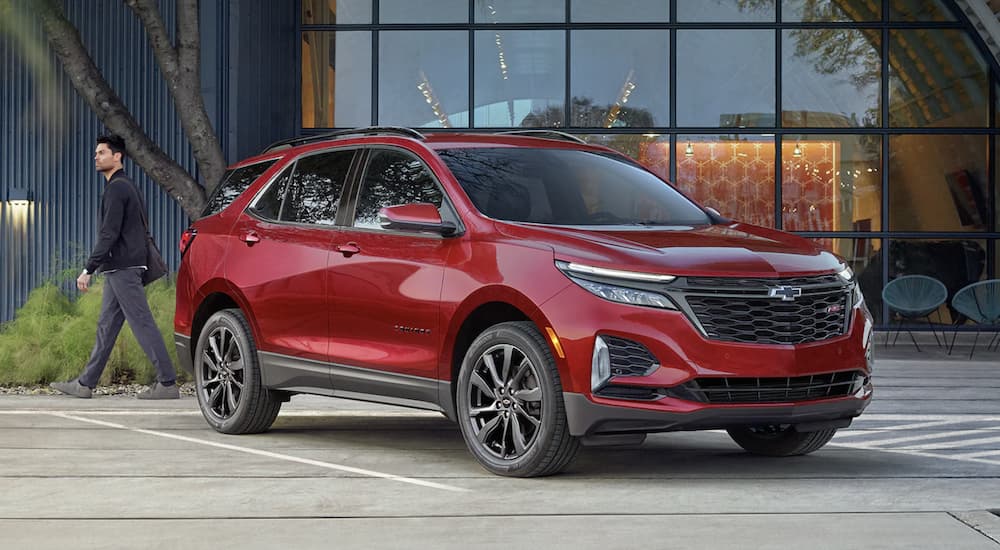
<point>142,203</point>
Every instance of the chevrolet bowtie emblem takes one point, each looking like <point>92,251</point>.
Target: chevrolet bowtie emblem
<point>787,293</point>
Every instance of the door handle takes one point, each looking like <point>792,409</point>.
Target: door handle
<point>250,238</point>
<point>348,249</point>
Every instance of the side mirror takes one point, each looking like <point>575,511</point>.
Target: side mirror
<point>716,216</point>
<point>419,216</point>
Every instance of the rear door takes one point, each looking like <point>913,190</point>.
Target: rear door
<point>386,285</point>
<point>280,250</point>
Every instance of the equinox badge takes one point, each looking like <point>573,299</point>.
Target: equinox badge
<point>787,293</point>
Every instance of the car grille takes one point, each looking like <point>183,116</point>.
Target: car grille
<point>740,309</point>
<point>768,390</point>
<point>629,358</point>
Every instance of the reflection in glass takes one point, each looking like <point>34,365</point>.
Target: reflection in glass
<point>336,12</point>
<point>938,183</point>
<point>734,175</point>
<point>864,256</point>
<point>703,11</point>
<point>234,183</point>
<point>520,11</point>
<point>831,78</point>
<point>314,193</point>
<point>520,78</point>
<point>268,205</point>
<point>929,88</point>
<point>620,78</point>
<point>393,178</point>
<point>725,78</point>
<point>423,11</point>
<point>336,79</point>
<point>620,11</point>
<point>919,10</point>
<point>423,79</point>
<point>830,10</point>
<point>831,183</point>
<point>650,150</point>
<point>956,263</point>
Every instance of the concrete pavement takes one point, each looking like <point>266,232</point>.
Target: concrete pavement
<point>921,469</point>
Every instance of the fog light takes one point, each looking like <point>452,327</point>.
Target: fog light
<point>600,365</point>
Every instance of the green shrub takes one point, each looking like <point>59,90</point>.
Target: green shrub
<point>51,337</point>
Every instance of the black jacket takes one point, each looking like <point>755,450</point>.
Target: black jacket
<point>121,240</point>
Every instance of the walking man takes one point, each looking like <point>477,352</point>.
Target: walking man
<point>120,254</point>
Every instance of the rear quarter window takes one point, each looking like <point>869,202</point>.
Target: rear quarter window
<point>234,183</point>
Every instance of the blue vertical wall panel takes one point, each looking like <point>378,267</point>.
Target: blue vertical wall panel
<point>249,82</point>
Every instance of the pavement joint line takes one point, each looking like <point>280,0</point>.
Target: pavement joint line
<point>268,454</point>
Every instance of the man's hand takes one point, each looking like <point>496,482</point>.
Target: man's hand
<point>83,281</point>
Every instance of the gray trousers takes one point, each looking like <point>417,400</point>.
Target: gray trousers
<point>125,300</point>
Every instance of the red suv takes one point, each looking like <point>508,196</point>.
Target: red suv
<point>542,292</point>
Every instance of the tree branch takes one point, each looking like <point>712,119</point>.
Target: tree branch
<point>94,89</point>
<point>181,67</point>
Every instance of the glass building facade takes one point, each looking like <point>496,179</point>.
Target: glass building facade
<point>867,125</point>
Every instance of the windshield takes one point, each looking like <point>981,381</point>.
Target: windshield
<point>567,187</point>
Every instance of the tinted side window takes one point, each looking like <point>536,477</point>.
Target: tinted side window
<point>315,188</point>
<point>393,178</point>
<point>234,183</point>
<point>268,206</point>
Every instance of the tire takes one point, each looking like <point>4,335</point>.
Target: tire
<point>780,440</point>
<point>513,418</point>
<point>227,377</point>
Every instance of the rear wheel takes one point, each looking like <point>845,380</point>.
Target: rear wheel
<point>227,377</point>
<point>510,403</point>
<point>780,440</point>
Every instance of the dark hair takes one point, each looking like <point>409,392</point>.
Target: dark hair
<point>114,142</point>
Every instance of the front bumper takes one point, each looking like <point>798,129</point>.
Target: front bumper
<point>586,417</point>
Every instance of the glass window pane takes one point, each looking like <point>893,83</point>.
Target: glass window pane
<point>233,185</point>
<point>314,195</point>
<point>650,150</point>
<point>336,12</point>
<point>423,11</point>
<point>936,78</point>
<point>336,79</point>
<point>831,78</point>
<point>699,11</point>
<point>520,78</point>
<point>268,205</point>
<point>938,183</point>
<point>620,78</point>
<point>956,263</point>
<point>996,199</point>
<point>520,11</point>
<point>864,256</point>
<point>620,11</point>
<point>725,78</point>
<point>734,175</point>
<point>919,10</point>
<point>393,178</point>
<point>831,183</point>
<point>830,10</point>
<point>423,79</point>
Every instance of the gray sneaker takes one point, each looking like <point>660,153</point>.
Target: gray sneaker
<point>159,391</point>
<point>74,388</point>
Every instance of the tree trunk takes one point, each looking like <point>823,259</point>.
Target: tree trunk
<point>94,89</point>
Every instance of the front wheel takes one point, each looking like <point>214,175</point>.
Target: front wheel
<point>227,377</point>
<point>781,440</point>
<point>510,403</point>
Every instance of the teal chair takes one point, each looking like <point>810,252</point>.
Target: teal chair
<point>980,302</point>
<point>914,297</point>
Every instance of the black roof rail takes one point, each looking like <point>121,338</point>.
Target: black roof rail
<point>549,134</point>
<point>367,131</point>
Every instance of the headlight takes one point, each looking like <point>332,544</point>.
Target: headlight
<point>625,295</point>
<point>847,274</point>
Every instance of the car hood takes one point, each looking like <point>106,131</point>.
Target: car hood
<point>722,250</point>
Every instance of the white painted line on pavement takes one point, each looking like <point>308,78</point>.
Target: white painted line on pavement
<point>954,444</point>
<point>928,417</point>
<point>880,443</point>
<point>978,454</point>
<point>279,456</point>
<point>919,453</point>
<point>293,413</point>
<point>869,431</point>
